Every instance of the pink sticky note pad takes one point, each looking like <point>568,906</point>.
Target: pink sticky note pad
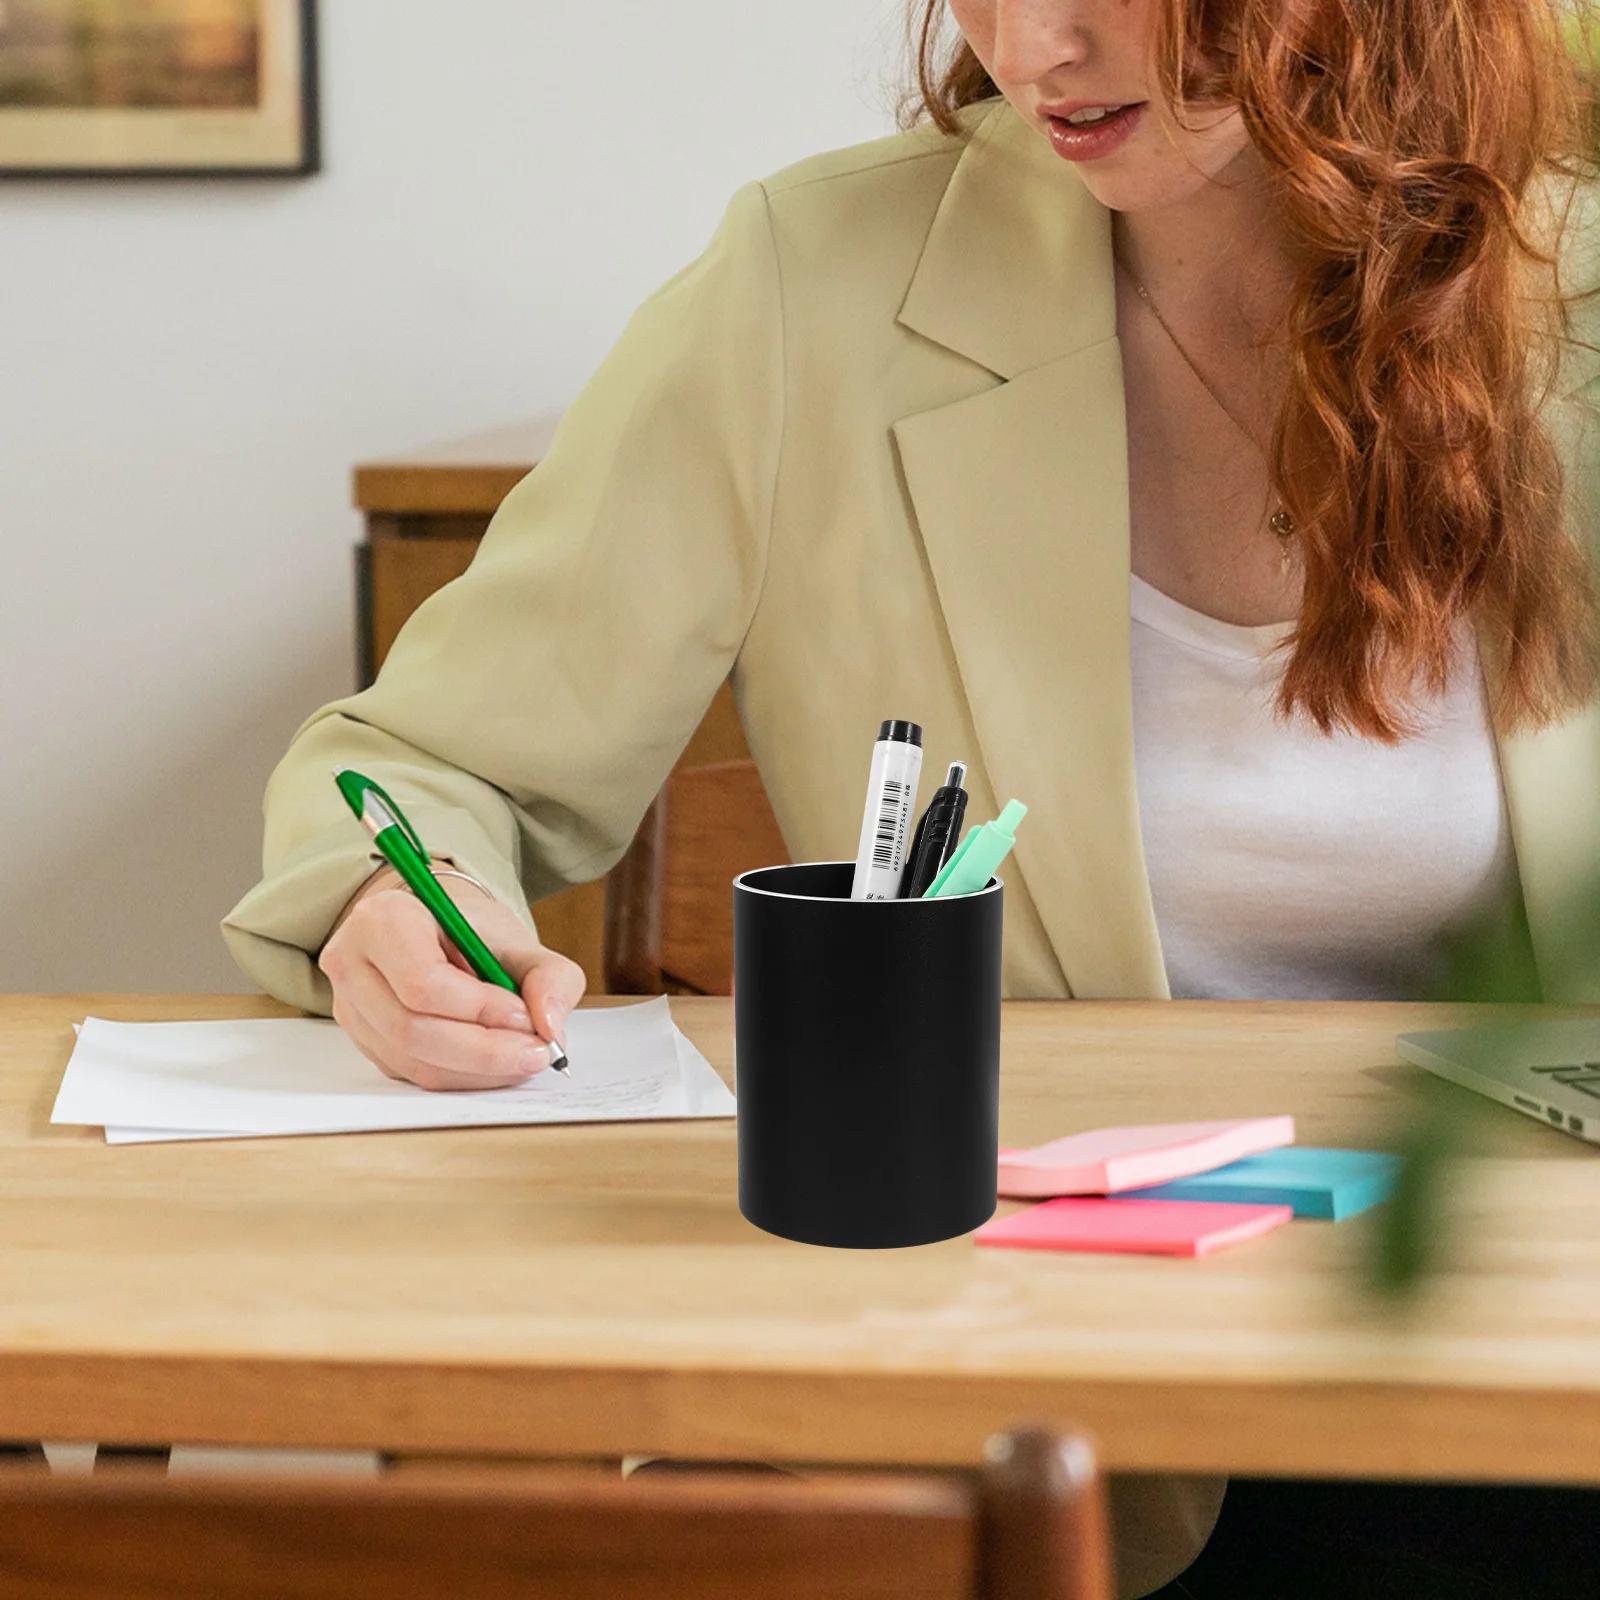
<point>1132,1227</point>
<point>1108,1160</point>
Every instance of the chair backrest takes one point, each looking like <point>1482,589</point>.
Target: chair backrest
<point>669,905</point>
<point>1030,1528</point>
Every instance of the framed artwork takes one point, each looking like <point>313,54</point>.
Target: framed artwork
<point>106,88</point>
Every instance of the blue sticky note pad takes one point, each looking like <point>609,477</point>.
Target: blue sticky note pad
<point>1331,1184</point>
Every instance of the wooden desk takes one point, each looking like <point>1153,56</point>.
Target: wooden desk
<point>594,1290</point>
<point>425,513</point>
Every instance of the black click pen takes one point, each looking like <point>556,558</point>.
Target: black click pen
<point>937,835</point>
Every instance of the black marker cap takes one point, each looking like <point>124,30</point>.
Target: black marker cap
<point>901,733</point>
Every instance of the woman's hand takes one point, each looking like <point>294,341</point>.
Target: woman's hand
<point>414,1008</point>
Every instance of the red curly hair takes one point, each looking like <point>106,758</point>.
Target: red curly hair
<point>1414,146</point>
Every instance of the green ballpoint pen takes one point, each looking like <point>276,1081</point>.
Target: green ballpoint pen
<point>400,845</point>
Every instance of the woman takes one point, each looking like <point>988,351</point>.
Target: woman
<point>1192,389</point>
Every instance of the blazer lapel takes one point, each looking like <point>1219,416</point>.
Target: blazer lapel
<point>1552,783</point>
<point>1021,495</point>
<point>1552,775</point>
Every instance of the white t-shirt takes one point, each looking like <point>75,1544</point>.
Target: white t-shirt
<point>1288,864</point>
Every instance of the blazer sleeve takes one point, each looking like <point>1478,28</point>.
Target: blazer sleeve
<point>529,711</point>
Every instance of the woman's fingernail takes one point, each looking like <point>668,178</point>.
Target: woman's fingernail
<point>534,1059</point>
<point>555,1017</point>
<point>520,1020</point>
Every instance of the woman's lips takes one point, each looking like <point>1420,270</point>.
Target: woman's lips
<point>1090,141</point>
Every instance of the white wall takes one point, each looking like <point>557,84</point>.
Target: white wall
<point>189,370</point>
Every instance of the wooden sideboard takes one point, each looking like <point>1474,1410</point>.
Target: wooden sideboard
<point>425,513</point>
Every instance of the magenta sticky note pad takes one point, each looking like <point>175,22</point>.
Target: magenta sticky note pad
<point>1132,1227</point>
<point>1108,1160</point>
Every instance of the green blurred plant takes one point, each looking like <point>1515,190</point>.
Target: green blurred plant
<point>1445,1122</point>
<point>1411,1237</point>
<point>1411,1230</point>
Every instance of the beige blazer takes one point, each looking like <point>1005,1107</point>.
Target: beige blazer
<point>867,454</point>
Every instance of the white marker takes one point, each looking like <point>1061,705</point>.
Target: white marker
<point>891,801</point>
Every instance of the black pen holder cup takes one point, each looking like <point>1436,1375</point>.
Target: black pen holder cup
<point>868,1059</point>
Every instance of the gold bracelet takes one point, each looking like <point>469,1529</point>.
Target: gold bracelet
<point>466,877</point>
<point>388,866</point>
<point>440,867</point>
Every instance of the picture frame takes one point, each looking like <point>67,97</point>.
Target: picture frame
<point>158,88</point>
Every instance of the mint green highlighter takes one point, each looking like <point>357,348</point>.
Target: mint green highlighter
<point>969,870</point>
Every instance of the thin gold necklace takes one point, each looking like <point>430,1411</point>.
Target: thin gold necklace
<point>1279,521</point>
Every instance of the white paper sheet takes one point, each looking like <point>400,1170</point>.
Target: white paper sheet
<point>151,1081</point>
<point>708,1097</point>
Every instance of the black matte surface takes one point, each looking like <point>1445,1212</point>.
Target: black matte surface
<point>868,1059</point>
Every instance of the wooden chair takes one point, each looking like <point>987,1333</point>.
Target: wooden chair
<point>669,901</point>
<point>1030,1526</point>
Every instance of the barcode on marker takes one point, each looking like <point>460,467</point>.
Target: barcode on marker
<point>889,815</point>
